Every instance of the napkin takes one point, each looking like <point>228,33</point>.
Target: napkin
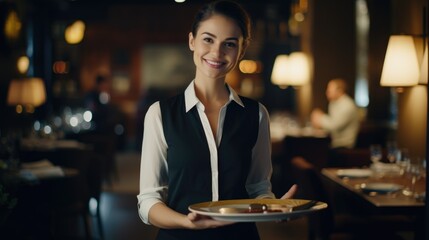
<point>37,164</point>
<point>39,170</point>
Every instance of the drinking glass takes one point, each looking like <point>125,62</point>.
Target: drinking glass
<point>376,153</point>
<point>392,152</point>
<point>403,160</point>
<point>414,171</point>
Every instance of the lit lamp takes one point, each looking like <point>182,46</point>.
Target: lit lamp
<point>75,32</point>
<point>278,76</point>
<point>400,68</point>
<point>27,92</point>
<point>299,70</point>
<point>292,70</point>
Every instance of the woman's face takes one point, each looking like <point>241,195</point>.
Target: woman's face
<point>217,46</point>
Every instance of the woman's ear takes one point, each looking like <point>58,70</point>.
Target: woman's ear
<point>191,41</point>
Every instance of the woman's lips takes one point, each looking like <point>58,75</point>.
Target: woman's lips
<point>215,64</point>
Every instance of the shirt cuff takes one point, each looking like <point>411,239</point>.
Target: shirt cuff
<point>144,206</point>
<point>260,190</point>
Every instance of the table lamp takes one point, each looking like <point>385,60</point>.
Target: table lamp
<point>26,93</point>
<point>400,68</point>
<point>292,70</point>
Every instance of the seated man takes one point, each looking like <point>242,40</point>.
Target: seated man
<point>342,119</point>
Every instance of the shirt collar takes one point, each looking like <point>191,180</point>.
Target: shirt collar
<point>191,98</point>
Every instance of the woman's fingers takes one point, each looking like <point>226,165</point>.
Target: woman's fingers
<point>291,192</point>
<point>203,222</point>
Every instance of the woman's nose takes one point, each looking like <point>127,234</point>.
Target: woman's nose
<point>217,50</point>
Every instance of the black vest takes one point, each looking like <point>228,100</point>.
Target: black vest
<point>188,158</point>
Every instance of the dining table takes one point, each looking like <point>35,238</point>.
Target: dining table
<point>373,191</point>
<point>54,180</point>
<point>37,192</point>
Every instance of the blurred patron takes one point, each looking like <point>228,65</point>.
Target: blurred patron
<point>342,118</point>
<point>107,118</point>
<point>97,101</point>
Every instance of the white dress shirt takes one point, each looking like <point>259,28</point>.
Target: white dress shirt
<point>342,122</point>
<point>154,166</point>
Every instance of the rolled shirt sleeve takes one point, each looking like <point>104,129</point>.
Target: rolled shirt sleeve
<point>153,164</point>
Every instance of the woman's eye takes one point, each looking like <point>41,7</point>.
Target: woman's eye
<point>230,44</point>
<point>209,40</point>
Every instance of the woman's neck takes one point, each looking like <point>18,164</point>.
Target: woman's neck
<point>211,90</point>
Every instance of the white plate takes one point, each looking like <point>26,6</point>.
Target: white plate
<point>238,210</point>
<point>381,187</point>
<point>354,173</point>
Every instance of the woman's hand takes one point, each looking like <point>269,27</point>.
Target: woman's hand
<point>198,221</point>
<point>291,192</point>
<point>161,216</point>
<point>202,222</point>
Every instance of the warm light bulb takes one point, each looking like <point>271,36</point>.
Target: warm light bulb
<point>22,64</point>
<point>248,66</point>
<point>75,32</point>
<point>12,26</point>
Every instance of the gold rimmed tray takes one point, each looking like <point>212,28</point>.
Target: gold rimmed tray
<point>257,210</point>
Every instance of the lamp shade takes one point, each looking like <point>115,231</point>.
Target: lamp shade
<point>280,68</point>
<point>400,68</point>
<point>27,91</point>
<point>292,70</point>
<point>424,68</point>
<point>299,70</point>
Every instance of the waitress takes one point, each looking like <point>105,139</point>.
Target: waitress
<point>207,143</point>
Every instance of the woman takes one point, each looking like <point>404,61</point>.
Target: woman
<point>208,143</point>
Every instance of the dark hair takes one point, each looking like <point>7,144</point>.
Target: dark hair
<point>228,9</point>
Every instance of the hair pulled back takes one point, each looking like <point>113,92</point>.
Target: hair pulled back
<point>228,9</point>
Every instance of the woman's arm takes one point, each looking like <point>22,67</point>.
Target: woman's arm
<point>153,163</point>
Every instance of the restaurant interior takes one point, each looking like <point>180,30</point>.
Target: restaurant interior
<point>77,77</point>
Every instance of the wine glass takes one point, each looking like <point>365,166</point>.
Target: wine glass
<point>403,160</point>
<point>376,153</point>
<point>392,152</point>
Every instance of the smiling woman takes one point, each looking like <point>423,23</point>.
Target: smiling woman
<point>207,143</point>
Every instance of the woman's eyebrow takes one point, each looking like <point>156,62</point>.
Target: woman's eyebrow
<point>228,39</point>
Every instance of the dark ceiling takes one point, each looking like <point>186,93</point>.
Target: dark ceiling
<point>93,9</point>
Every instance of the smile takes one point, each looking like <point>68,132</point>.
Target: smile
<point>214,63</point>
